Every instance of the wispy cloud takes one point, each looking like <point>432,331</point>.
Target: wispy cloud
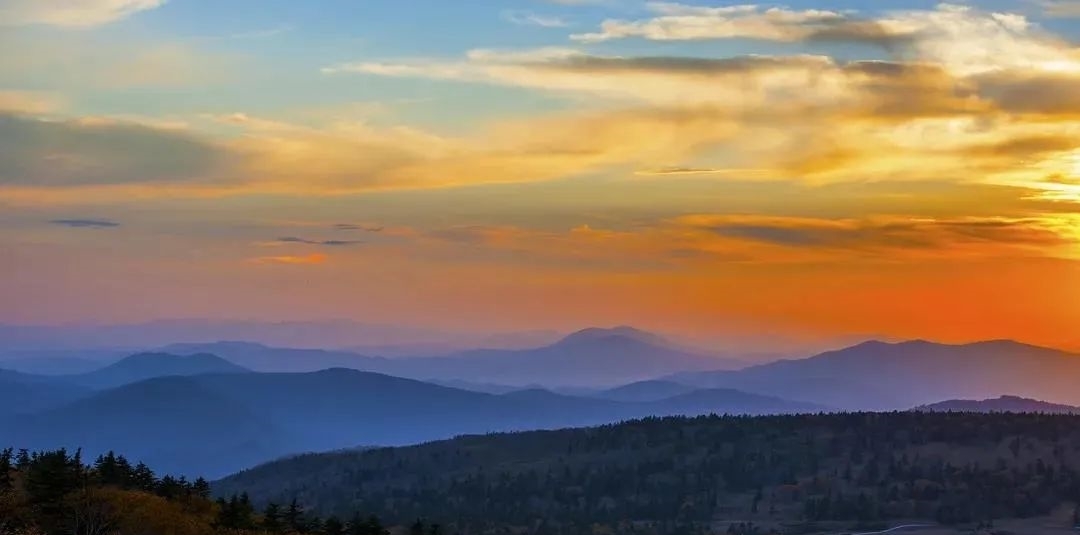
<point>691,171</point>
<point>85,223</point>
<point>71,13</point>
<point>960,38</point>
<point>528,18</point>
<point>965,112</point>
<point>891,233</point>
<point>353,226</point>
<point>680,22</point>
<point>724,238</point>
<point>328,243</point>
<point>30,102</point>
<point>263,33</point>
<point>1065,9</point>
<point>101,151</point>
<point>311,259</point>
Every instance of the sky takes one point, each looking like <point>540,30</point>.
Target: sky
<point>809,170</point>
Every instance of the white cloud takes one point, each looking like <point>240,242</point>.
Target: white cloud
<point>968,41</point>
<point>728,82</point>
<point>528,18</point>
<point>679,22</point>
<point>71,13</point>
<point>962,39</point>
<point>1060,8</point>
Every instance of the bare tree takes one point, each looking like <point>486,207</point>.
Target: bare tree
<point>91,513</point>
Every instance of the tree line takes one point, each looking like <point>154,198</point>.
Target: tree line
<point>57,493</point>
<point>691,475</point>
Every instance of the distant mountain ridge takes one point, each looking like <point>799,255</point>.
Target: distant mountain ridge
<point>889,376</point>
<point>588,358</point>
<point>1000,404</point>
<point>22,393</point>
<point>218,423</point>
<point>149,365</point>
<point>646,391</point>
<point>263,358</point>
<point>176,421</point>
<point>592,334</point>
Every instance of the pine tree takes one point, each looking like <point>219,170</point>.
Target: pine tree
<point>6,467</point>
<point>356,526</point>
<point>201,488</point>
<point>271,520</point>
<point>294,516</point>
<point>333,526</point>
<point>22,460</point>
<point>375,527</point>
<point>143,478</point>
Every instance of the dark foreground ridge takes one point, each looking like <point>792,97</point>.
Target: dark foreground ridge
<point>56,493</point>
<point>803,473</point>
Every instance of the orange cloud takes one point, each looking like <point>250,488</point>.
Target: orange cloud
<point>699,241</point>
<point>314,258</point>
<point>30,102</point>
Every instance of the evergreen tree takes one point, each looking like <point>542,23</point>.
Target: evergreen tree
<point>22,460</point>
<point>357,525</point>
<point>333,526</point>
<point>294,517</point>
<point>375,526</point>
<point>49,478</point>
<point>143,478</point>
<point>201,488</point>
<point>6,467</point>
<point>271,520</point>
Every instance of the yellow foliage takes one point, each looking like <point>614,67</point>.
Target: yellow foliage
<point>139,513</point>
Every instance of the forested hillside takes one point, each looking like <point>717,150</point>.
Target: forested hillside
<point>55,493</point>
<point>671,475</point>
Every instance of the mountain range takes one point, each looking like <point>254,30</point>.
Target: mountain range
<point>890,376</point>
<point>208,414</point>
<point>588,358</point>
<point>217,423</point>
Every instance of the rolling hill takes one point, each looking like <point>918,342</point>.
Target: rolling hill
<point>58,362</point>
<point>999,404</point>
<point>210,424</point>
<point>895,376</point>
<point>172,422</point>
<point>263,358</point>
<point>646,391</point>
<point>149,365</point>
<point>25,393</point>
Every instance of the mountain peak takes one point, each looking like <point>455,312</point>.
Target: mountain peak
<point>195,360</point>
<point>622,331</point>
<point>142,366</point>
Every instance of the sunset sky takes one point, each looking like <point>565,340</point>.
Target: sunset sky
<point>808,169</point>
